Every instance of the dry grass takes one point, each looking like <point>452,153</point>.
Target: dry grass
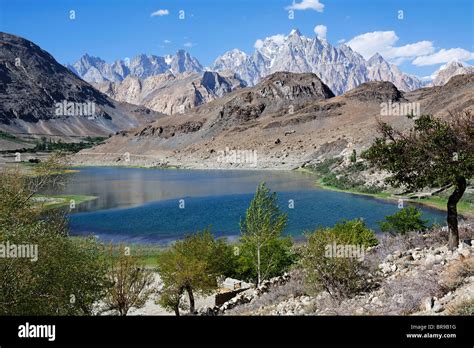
<point>462,308</point>
<point>413,290</point>
<point>454,274</point>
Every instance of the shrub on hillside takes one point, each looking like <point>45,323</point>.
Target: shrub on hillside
<point>405,220</point>
<point>131,282</point>
<point>462,308</point>
<point>192,266</point>
<point>342,276</point>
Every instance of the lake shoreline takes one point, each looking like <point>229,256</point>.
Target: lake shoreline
<point>216,198</point>
<point>384,196</point>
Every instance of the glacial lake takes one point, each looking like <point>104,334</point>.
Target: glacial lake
<point>138,205</point>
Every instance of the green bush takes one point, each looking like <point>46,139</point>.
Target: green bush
<point>343,179</point>
<point>353,232</point>
<point>278,252</point>
<point>406,220</point>
<point>341,277</point>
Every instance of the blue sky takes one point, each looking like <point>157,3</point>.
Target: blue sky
<point>430,33</point>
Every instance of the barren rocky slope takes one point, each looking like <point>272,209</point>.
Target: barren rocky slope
<point>172,93</point>
<point>288,120</point>
<point>32,82</point>
<point>414,275</point>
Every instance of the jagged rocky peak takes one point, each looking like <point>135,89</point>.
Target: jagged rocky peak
<point>339,67</point>
<point>444,74</point>
<point>380,91</point>
<point>144,66</point>
<point>376,59</point>
<point>172,93</point>
<point>86,62</point>
<point>96,70</point>
<point>295,32</point>
<point>221,84</point>
<point>183,62</point>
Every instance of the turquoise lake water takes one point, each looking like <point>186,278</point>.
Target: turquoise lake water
<point>146,205</point>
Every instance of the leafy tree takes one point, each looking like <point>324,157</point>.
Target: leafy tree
<point>69,275</point>
<point>435,152</point>
<point>131,282</point>
<point>192,265</point>
<point>260,230</point>
<point>170,299</point>
<point>405,220</point>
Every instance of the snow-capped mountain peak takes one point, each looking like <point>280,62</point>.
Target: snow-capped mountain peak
<point>339,67</point>
<point>448,70</point>
<point>96,70</point>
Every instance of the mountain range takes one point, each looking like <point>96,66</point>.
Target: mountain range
<point>340,67</point>
<point>94,69</point>
<point>172,93</point>
<point>288,119</point>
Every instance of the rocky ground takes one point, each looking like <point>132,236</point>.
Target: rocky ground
<point>416,275</point>
<point>287,121</point>
<point>411,275</point>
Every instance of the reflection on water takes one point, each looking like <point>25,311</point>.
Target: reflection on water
<point>142,205</point>
<point>128,187</point>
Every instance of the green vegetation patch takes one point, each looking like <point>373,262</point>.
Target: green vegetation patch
<point>58,201</point>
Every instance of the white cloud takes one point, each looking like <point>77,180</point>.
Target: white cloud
<point>411,50</point>
<point>383,42</point>
<point>277,39</point>
<point>444,56</point>
<point>189,44</point>
<point>321,31</point>
<point>167,41</point>
<point>370,43</point>
<point>258,44</point>
<point>306,5</point>
<point>160,13</point>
